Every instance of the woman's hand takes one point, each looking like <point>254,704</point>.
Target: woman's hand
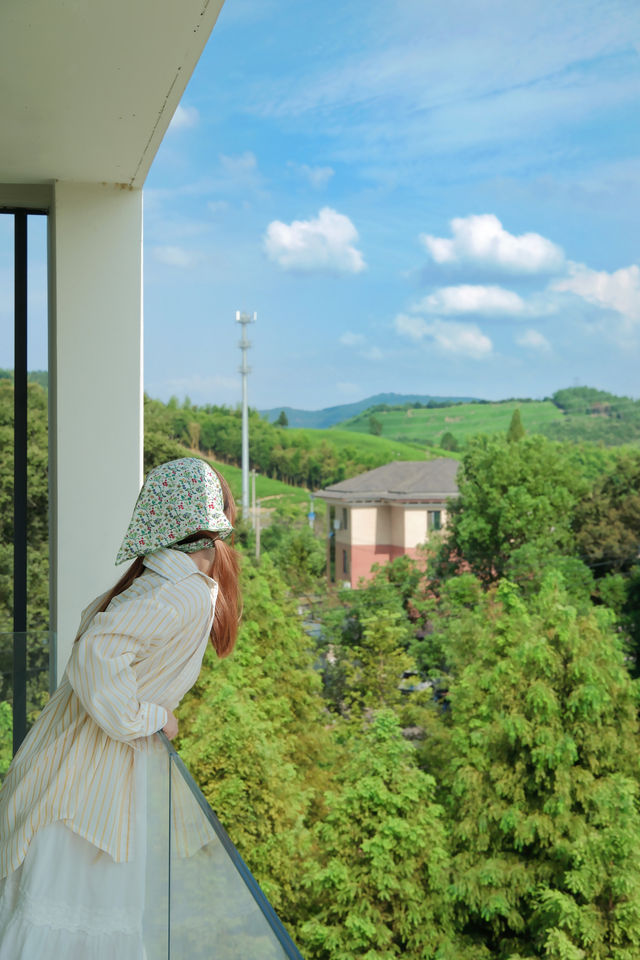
<point>171,726</point>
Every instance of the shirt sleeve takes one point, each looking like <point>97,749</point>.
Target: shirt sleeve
<point>101,667</point>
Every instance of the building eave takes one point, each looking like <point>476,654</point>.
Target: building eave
<point>89,89</point>
<point>379,499</point>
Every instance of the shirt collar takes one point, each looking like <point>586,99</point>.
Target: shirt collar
<point>174,565</point>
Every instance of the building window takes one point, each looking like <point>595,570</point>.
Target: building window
<point>434,520</point>
<point>345,564</point>
<point>345,517</point>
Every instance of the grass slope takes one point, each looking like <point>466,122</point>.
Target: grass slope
<point>265,486</point>
<point>387,448</point>
<point>463,420</point>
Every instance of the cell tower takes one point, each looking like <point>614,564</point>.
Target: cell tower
<point>243,319</point>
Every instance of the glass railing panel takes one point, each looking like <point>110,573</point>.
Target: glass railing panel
<point>25,660</point>
<point>215,908</point>
<point>155,801</point>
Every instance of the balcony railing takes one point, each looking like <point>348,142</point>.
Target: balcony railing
<point>201,899</point>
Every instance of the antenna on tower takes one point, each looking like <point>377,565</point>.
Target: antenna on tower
<point>243,319</point>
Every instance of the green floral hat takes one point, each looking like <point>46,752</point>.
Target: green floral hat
<point>178,499</point>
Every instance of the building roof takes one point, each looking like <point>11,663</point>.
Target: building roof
<point>402,480</point>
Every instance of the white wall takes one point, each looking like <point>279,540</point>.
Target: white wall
<point>363,525</point>
<point>415,526</point>
<point>371,525</point>
<point>95,371</point>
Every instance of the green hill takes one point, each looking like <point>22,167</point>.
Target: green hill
<point>316,458</point>
<point>329,416</point>
<point>297,457</point>
<point>596,416</point>
<point>576,415</point>
<point>383,449</point>
<point>427,426</point>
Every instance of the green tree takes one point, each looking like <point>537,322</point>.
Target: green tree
<point>375,426</point>
<point>448,441</point>
<point>621,593</point>
<point>541,783</point>
<point>607,520</point>
<point>353,642</point>
<point>6,737</point>
<point>516,431</point>
<point>158,448</point>
<point>378,889</point>
<point>194,430</point>
<point>283,420</point>
<point>299,555</point>
<point>512,495</point>
<point>374,667</point>
<point>252,731</point>
<point>446,634</point>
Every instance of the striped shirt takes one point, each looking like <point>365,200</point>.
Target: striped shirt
<point>128,667</point>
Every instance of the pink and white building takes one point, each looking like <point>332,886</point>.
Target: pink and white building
<point>385,513</point>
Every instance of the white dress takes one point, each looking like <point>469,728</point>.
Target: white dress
<point>72,901</point>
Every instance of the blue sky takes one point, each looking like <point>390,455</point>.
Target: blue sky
<point>414,197</point>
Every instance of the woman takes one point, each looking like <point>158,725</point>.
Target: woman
<point>73,804</point>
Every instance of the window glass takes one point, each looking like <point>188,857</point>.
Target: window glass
<point>434,519</point>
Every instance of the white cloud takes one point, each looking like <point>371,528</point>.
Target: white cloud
<point>184,118</point>
<point>324,243</point>
<point>463,339</point>
<point>348,389</point>
<point>483,241</point>
<point>468,298</point>
<point>217,206</point>
<point>239,164</point>
<point>618,291</point>
<point>359,341</point>
<point>534,340</point>
<point>372,353</point>
<point>232,177</point>
<point>237,174</point>
<point>411,326</point>
<point>318,177</point>
<point>174,256</point>
<point>349,339</point>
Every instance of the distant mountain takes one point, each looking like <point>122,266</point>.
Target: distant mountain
<point>329,416</point>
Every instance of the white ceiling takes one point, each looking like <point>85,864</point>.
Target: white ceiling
<point>89,87</point>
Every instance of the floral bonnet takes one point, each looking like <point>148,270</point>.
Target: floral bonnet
<point>178,499</point>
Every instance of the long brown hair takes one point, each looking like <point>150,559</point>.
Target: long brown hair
<point>226,570</point>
